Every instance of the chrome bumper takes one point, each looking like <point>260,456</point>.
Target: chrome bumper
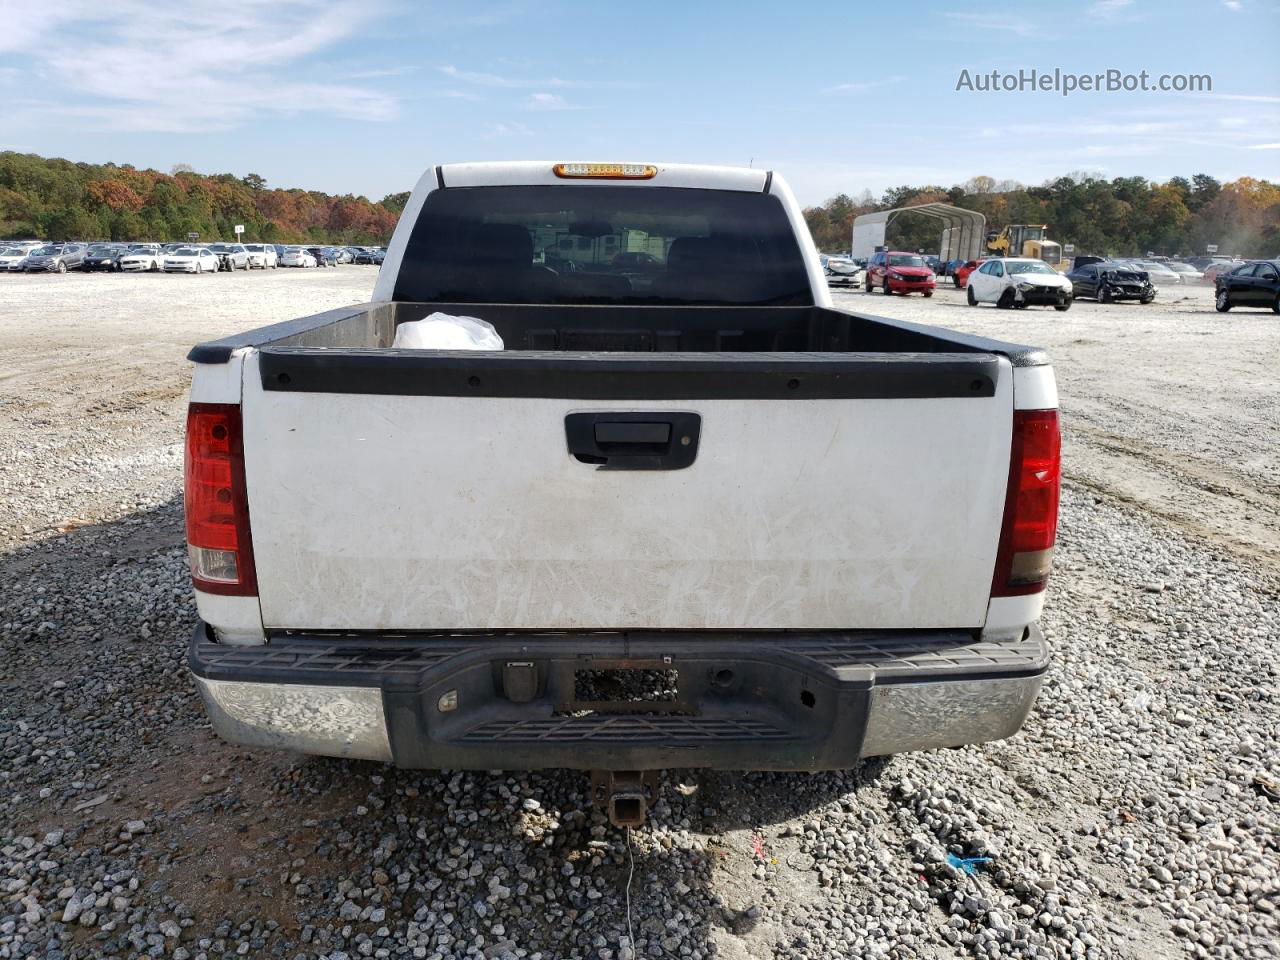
<point>924,716</point>
<point>328,721</point>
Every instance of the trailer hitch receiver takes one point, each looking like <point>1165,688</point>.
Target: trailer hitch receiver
<point>627,795</point>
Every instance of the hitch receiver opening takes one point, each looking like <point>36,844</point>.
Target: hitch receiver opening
<point>627,795</point>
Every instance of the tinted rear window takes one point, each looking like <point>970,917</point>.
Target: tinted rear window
<point>578,244</point>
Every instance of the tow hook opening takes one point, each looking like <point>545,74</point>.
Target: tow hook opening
<point>626,795</point>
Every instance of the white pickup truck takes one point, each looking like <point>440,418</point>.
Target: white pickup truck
<point>690,516</point>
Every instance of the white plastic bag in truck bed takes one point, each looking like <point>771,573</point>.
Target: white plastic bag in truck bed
<point>440,331</point>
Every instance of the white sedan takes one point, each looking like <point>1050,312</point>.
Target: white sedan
<point>1019,282</point>
<point>142,258</point>
<point>11,259</point>
<point>191,260</point>
<point>1186,273</point>
<point>262,255</point>
<point>1158,273</point>
<point>297,257</point>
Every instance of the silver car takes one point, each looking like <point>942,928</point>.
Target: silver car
<point>1159,273</point>
<point>55,258</point>
<point>11,258</point>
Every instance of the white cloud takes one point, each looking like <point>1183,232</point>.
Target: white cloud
<point>1246,97</point>
<point>146,66</point>
<point>1264,146</point>
<point>1109,9</point>
<point>26,23</point>
<point>1000,22</point>
<point>549,102</point>
<point>861,87</point>
<point>480,79</point>
<point>499,130</point>
<point>382,72</point>
<point>1233,5</point>
<point>1129,133</point>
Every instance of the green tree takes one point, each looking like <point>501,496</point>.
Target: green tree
<point>72,223</point>
<point>1204,190</point>
<point>395,201</point>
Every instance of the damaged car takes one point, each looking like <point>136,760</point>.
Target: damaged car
<point>1106,281</point>
<point>1019,282</point>
<point>840,268</point>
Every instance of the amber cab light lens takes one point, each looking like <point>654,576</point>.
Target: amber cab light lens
<point>605,171</point>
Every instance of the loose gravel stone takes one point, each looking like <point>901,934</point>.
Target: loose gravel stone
<point>1130,818</point>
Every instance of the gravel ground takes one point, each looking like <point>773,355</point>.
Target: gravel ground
<point>1135,816</point>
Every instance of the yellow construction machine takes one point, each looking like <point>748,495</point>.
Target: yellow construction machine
<point>1026,240</point>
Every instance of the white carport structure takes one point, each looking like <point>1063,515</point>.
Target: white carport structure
<point>963,231</point>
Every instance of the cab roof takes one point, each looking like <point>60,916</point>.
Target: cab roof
<point>531,172</point>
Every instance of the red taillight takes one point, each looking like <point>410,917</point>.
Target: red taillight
<point>1031,505</point>
<point>218,544</point>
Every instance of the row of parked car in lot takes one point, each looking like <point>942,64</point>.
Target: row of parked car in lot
<point>36,257</point>
<point>1025,281</point>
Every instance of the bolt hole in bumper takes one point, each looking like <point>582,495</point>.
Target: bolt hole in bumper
<point>715,699</point>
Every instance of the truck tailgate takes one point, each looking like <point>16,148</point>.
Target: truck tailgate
<point>380,511</point>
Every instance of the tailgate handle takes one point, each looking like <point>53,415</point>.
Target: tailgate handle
<point>663,440</point>
<point>611,431</point>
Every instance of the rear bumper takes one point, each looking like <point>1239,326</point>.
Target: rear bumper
<point>743,701</point>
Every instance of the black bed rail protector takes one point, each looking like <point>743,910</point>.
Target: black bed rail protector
<point>344,327</point>
<point>888,333</point>
<point>368,324</point>
<point>629,376</point>
<point>406,659</point>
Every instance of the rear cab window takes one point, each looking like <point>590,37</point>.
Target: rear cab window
<point>546,244</point>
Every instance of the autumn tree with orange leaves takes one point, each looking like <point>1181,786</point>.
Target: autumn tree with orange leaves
<point>59,200</point>
<point>1125,216</point>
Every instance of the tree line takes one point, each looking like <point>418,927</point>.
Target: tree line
<point>1126,216</point>
<point>55,199</point>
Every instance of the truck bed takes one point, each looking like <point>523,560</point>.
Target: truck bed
<point>635,329</point>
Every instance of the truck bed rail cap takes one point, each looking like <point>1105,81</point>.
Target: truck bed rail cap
<point>629,376</point>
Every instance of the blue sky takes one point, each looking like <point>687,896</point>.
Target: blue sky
<point>360,96</point>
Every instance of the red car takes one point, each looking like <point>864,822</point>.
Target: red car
<point>898,272</point>
<point>960,276</point>
<point>1219,268</point>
